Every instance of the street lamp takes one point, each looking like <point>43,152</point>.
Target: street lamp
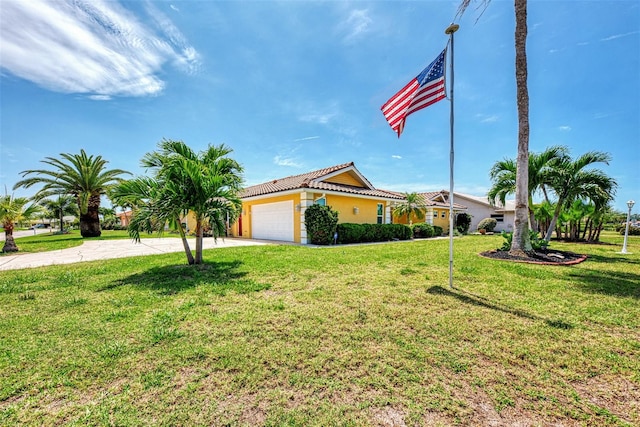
<point>630,204</point>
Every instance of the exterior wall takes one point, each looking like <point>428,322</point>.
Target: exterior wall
<point>439,220</point>
<point>480,211</point>
<point>354,210</point>
<point>246,216</point>
<point>345,179</point>
<point>345,205</point>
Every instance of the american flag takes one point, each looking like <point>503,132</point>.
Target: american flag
<point>426,89</point>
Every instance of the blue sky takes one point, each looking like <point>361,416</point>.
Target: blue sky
<point>296,86</point>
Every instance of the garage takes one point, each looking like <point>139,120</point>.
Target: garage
<point>272,221</point>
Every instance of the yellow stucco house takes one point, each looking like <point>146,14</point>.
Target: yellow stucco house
<point>275,210</point>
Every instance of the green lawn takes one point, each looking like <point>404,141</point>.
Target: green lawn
<point>347,335</point>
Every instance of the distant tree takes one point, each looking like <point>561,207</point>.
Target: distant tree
<point>79,175</point>
<point>413,204</point>
<point>12,211</point>
<point>61,206</point>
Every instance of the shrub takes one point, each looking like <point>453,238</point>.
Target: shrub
<point>362,233</point>
<point>463,222</point>
<point>537,242</point>
<point>437,231</point>
<point>489,224</point>
<point>633,230</point>
<point>422,229</point>
<point>321,222</point>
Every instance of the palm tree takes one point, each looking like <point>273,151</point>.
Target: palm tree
<point>413,204</point>
<point>79,175</point>
<point>13,210</point>
<point>63,205</point>
<point>206,184</point>
<point>521,243</point>
<point>572,181</point>
<point>504,176</point>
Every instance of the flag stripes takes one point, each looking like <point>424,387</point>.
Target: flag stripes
<point>424,90</point>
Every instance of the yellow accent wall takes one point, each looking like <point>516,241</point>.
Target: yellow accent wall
<point>246,215</point>
<point>367,209</point>
<point>345,179</point>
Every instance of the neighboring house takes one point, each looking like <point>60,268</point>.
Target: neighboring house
<point>124,218</point>
<point>437,212</point>
<point>275,210</point>
<point>479,208</point>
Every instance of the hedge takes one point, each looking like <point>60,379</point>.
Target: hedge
<point>363,233</point>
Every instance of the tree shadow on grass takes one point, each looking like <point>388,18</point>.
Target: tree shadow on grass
<point>219,277</point>
<point>480,301</point>
<point>617,283</point>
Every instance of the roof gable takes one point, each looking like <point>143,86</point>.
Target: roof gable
<point>344,178</point>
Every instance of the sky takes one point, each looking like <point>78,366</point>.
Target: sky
<point>297,86</point>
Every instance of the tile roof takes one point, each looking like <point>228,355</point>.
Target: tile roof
<point>431,196</point>
<point>314,180</point>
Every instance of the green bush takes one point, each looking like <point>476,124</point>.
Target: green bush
<point>321,223</point>
<point>633,230</point>
<point>537,242</point>
<point>489,224</point>
<point>422,230</point>
<point>437,231</point>
<point>463,222</point>
<point>363,233</point>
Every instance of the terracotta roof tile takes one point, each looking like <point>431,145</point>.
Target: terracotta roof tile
<point>314,180</point>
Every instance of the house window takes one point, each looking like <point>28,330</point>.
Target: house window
<point>498,218</point>
<point>443,214</point>
<point>435,213</point>
<point>380,213</point>
<point>322,201</point>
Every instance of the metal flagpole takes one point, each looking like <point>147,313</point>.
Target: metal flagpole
<point>450,30</point>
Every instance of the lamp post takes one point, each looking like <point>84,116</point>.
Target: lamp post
<point>630,204</point>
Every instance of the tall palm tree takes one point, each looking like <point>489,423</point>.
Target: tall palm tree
<point>413,204</point>
<point>207,184</point>
<point>521,243</point>
<point>79,175</point>
<point>63,205</point>
<point>13,210</point>
<point>571,180</point>
<point>504,172</point>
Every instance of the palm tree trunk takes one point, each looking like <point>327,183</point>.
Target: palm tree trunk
<point>9,242</point>
<point>199,238</point>
<point>90,221</point>
<point>185,242</point>
<point>521,243</point>
<point>554,220</point>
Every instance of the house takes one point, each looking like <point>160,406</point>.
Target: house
<point>275,210</point>
<point>437,211</point>
<point>479,208</point>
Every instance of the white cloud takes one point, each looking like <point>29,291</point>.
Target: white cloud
<point>356,25</point>
<point>307,138</point>
<point>487,119</point>
<point>395,156</point>
<point>565,128</point>
<point>617,36</point>
<point>286,161</point>
<point>92,47</point>
<point>174,8</point>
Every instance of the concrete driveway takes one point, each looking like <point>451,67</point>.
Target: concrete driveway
<point>107,249</point>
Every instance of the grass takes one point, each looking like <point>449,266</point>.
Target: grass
<point>346,335</point>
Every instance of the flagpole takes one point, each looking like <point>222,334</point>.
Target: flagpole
<point>450,30</point>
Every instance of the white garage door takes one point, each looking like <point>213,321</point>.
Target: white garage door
<point>272,221</point>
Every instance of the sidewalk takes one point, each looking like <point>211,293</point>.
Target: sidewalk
<point>107,249</point>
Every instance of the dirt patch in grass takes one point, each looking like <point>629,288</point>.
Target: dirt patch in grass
<point>618,396</point>
<point>388,417</point>
<point>541,256</point>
